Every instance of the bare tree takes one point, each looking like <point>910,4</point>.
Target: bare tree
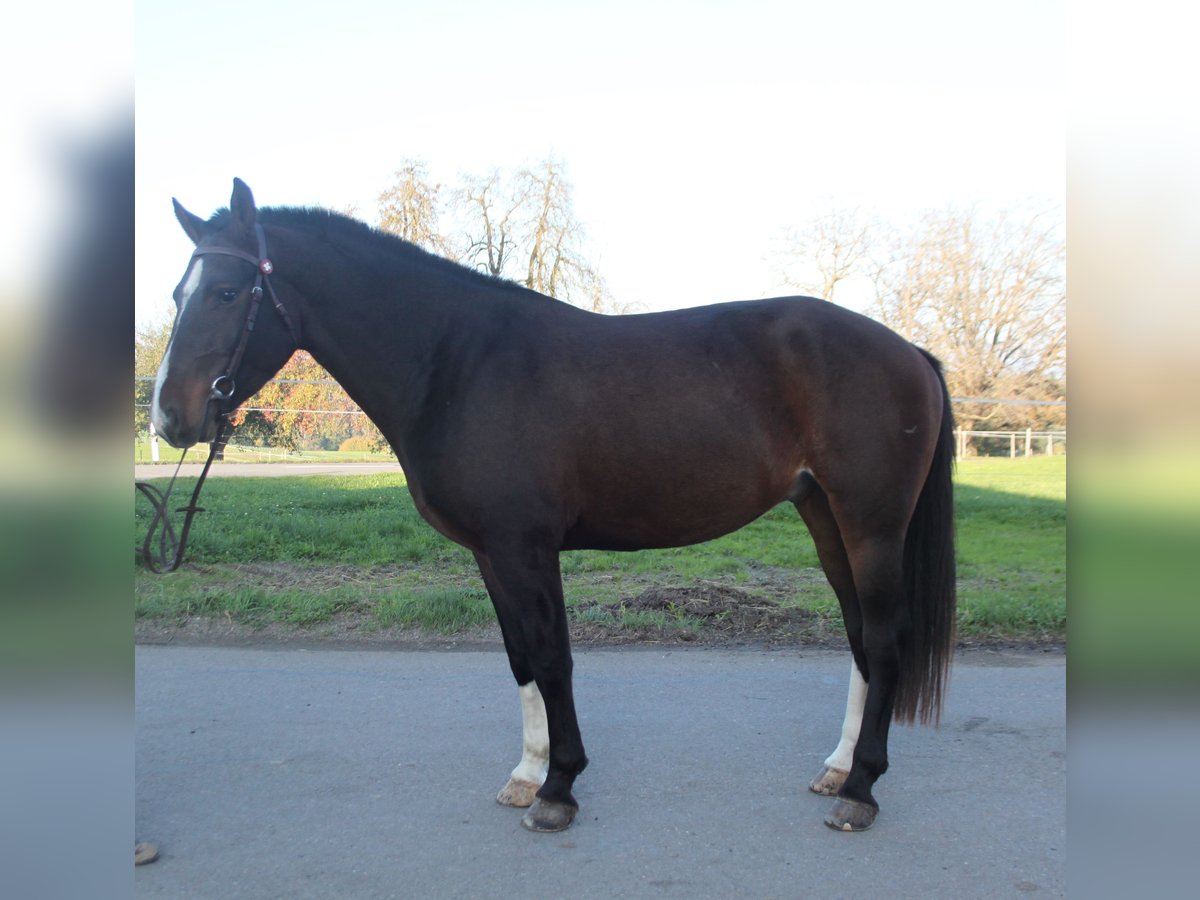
<point>520,226</point>
<point>525,228</point>
<point>557,265</point>
<point>826,251</point>
<point>552,227</point>
<point>988,298</point>
<point>411,209</point>
<point>491,208</point>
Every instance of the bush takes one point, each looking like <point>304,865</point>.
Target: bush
<point>357,444</point>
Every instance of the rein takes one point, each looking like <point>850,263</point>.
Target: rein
<point>168,555</point>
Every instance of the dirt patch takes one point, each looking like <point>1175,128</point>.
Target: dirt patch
<point>705,613</point>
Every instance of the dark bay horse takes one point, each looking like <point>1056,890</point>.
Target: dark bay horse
<point>527,427</point>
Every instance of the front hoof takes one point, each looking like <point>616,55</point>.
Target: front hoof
<point>549,815</point>
<point>829,782</point>
<point>851,815</point>
<point>518,793</point>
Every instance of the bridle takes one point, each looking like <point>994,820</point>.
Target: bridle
<point>166,553</point>
<point>224,385</point>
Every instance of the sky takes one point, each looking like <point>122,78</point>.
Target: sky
<point>693,133</point>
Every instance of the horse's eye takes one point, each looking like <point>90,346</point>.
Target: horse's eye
<point>228,295</point>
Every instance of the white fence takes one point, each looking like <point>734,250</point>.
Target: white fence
<point>1020,443</point>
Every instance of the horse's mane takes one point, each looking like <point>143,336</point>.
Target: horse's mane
<point>342,231</point>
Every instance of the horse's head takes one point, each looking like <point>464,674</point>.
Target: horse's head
<point>225,345</point>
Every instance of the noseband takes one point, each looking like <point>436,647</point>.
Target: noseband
<point>223,386</point>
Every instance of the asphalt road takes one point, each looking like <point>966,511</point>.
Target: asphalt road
<point>267,773</point>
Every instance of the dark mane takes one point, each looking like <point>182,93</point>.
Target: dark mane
<point>340,230</point>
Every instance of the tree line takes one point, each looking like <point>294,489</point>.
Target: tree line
<point>985,295</point>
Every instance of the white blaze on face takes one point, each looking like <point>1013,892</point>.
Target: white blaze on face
<point>535,737</point>
<point>190,286</point>
<point>856,700</point>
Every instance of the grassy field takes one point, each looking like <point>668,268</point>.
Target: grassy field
<point>305,551</point>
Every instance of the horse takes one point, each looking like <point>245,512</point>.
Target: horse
<point>527,427</point>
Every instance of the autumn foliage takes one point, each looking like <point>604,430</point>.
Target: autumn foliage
<point>303,408</point>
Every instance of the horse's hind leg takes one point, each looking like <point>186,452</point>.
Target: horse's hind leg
<point>837,765</point>
<point>526,589</point>
<point>530,774</point>
<point>878,565</point>
<point>814,509</point>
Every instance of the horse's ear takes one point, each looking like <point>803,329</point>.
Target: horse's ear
<point>193,226</point>
<point>241,204</point>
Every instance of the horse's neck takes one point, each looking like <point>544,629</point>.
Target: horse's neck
<point>381,334</point>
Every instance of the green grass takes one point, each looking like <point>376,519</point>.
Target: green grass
<point>302,550</point>
<point>1012,547</point>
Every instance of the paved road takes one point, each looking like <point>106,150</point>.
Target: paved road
<point>142,472</point>
<point>362,774</point>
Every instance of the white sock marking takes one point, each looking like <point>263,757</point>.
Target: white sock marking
<point>856,700</point>
<point>535,736</point>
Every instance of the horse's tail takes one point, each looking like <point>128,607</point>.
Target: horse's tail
<point>929,582</point>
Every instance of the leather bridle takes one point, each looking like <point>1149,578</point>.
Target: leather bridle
<point>224,385</point>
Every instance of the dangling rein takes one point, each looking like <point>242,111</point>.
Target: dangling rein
<point>162,551</point>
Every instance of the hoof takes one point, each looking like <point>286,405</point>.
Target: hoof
<point>518,793</point>
<point>829,782</point>
<point>851,815</point>
<point>549,815</point>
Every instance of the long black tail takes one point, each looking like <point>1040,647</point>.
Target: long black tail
<point>930,582</point>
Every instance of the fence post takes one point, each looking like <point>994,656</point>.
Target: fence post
<point>1049,443</point>
<point>1028,442</point>
<point>1012,445</point>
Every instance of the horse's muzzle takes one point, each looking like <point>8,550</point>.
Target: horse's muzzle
<point>181,434</point>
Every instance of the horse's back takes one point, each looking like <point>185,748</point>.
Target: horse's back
<point>671,428</point>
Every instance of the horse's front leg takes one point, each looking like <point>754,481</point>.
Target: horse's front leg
<point>525,585</point>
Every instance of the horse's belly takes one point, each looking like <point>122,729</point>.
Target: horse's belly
<point>652,520</point>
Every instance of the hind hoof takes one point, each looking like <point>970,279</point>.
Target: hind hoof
<point>851,815</point>
<point>549,815</point>
<point>829,782</point>
<point>518,793</point>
